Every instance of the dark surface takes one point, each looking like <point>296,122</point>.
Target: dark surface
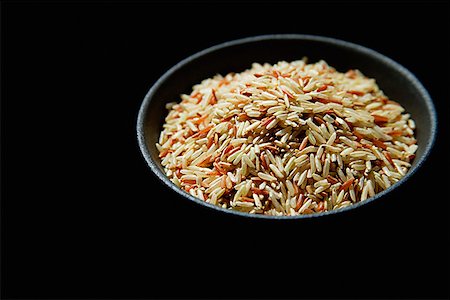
<point>238,55</point>
<point>83,217</point>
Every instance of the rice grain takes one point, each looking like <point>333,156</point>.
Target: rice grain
<point>286,139</point>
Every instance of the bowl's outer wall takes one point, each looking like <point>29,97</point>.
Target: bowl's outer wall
<point>238,57</point>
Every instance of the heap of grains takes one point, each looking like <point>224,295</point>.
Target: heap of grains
<point>286,139</point>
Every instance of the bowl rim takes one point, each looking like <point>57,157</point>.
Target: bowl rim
<point>306,37</point>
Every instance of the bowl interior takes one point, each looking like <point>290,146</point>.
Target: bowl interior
<point>396,82</point>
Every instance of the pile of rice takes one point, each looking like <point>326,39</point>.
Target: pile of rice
<point>286,139</point>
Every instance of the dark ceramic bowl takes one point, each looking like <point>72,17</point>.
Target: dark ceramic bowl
<point>236,56</point>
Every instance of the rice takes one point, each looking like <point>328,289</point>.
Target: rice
<point>286,139</point>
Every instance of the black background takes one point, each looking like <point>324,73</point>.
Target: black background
<point>83,217</point>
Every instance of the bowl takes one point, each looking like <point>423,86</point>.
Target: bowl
<point>238,55</point>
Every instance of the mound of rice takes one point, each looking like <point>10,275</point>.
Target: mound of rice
<point>286,139</point>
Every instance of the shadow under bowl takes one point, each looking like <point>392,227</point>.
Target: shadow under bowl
<point>236,56</point>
